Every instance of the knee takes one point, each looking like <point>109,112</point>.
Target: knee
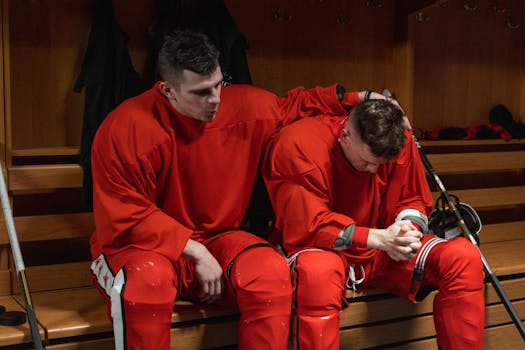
<point>461,265</point>
<point>261,270</point>
<point>149,275</point>
<point>260,278</point>
<point>320,278</point>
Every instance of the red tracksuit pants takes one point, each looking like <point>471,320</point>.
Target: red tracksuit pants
<point>140,295</point>
<point>454,267</point>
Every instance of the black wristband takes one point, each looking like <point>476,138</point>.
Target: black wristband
<point>340,91</point>
<point>368,94</point>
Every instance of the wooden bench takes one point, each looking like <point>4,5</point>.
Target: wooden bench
<point>489,176</point>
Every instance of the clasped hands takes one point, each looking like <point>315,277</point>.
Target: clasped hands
<point>400,241</point>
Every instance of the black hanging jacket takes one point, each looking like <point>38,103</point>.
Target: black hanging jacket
<point>108,77</point>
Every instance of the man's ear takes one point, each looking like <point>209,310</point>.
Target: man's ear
<point>166,89</point>
<point>344,133</point>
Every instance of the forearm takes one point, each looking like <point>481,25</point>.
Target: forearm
<point>301,103</point>
<point>193,250</point>
<point>196,252</point>
<point>367,238</point>
<point>376,239</point>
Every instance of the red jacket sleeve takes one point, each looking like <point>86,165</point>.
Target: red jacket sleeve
<point>124,179</point>
<point>300,189</point>
<point>300,102</point>
<point>408,187</point>
<point>303,215</point>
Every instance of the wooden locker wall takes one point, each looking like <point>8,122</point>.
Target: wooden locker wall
<point>468,57</point>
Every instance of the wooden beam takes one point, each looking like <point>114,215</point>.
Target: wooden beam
<point>499,337</point>
<point>505,258</point>
<point>477,162</point>
<point>490,198</point>
<point>58,276</point>
<point>46,151</point>
<point>39,177</point>
<point>505,231</point>
<point>49,227</point>
<point>370,336</point>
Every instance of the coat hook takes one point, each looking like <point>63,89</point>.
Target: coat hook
<point>374,3</point>
<point>512,25</point>
<point>470,7</point>
<point>281,15</point>
<point>342,20</point>
<point>498,9</point>
<point>420,17</point>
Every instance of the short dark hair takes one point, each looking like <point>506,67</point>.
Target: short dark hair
<point>380,125</point>
<point>184,49</point>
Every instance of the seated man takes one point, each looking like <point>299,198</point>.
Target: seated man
<point>351,200</point>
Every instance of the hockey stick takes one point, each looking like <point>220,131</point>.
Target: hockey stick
<point>19,262</point>
<point>468,234</point>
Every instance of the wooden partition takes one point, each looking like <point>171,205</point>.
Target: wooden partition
<point>47,40</point>
<point>468,57</point>
<point>318,42</point>
<point>448,62</point>
<point>46,44</point>
<point>447,65</point>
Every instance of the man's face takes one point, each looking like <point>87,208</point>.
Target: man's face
<point>196,96</point>
<point>357,152</point>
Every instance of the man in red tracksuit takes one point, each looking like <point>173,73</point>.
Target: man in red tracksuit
<point>173,172</point>
<point>351,200</point>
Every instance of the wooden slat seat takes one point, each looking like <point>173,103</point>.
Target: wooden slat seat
<point>41,177</point>
<point>81,312</point>
<point>505,258</point>
<point>15,334</point>
<point>372,323</point>
<point>49,227</point>
<point>477,162</point>
<point>368,311</point>
<point>57,276</point>
<point>498,337</point>
<point>490,198</point>
<point>70,312</point>
<point>416,328</point>
<point>505,231</point>
<point>77,313</point>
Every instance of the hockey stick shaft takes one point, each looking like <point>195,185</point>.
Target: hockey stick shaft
<point>19,262</point>
<point>467,233</point>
